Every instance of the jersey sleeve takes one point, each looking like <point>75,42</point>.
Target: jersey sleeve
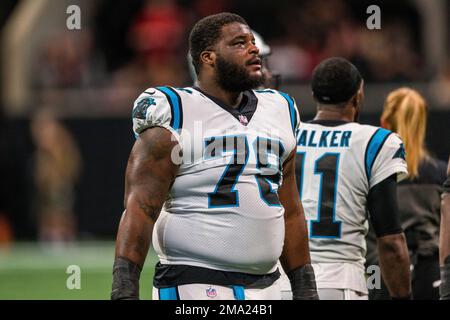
<point>157,107</point>
<point>297,117</point>
<point>385,156</point>
<point>293,112</point>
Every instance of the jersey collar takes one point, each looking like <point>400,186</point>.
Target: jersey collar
<point>329,123</point>
<point>246,109</point>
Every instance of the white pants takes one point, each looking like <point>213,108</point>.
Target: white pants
<point>198,291</point>
<point>331,294</point>
<point>341,294</point>
<point>340,275</point>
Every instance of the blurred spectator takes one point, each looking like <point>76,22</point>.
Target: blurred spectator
<point>66,72</point>
<point>290,60</point>
<point>144,42</point>
<point>157,37</point>
<point>390,54</point>
<point>57,165</point>
<point>318,29</point>
<point>157,31</point>
<point>441,87</point>
<point>64,61</point>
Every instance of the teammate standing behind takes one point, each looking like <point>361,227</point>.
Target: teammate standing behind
<point>444,240</point>
<point>405,112</point>
<point>231,208</point>
<point>347,172</point>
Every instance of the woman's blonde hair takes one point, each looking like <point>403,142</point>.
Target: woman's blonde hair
<point>405,112</point>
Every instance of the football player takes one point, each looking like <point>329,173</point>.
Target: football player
<point>347,173</point>
<point>220,158</point>
<point>444,245</point>
<point>271,79</point>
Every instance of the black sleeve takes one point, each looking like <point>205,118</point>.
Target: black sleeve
<point>383,209</point>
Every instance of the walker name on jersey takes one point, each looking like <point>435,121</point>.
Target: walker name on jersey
<point>324,139</point>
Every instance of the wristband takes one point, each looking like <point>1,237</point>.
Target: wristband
<point>444,289</point>
<point>126,276</point>
<point>303,283</point>
<point>408,297</point>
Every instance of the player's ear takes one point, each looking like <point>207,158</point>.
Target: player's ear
<point>356,100</point>
<point>208,57</point>
<point>384,124</point>
<point>359,96</point>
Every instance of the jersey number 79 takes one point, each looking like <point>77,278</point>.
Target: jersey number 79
<point>224,194</point>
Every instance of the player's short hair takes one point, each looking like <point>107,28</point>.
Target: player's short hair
<point>207,32</point>
<point>335,80</point>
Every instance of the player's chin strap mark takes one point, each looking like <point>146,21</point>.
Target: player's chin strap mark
<point>445,278</point>
<point>303,283</point>
<point>125,280</point>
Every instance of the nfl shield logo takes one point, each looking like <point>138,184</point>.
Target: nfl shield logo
<point>211,292</point>
<point>243,119</point>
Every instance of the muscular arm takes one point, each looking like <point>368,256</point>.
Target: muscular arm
<point>392,247</point>
<point>296,246</point>
<point>444,241</point>
<point>394,263</point>
<point>149,176</point>
<point>295,257</point>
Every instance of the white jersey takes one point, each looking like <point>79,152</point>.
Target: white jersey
<point>223,210</point>
<point>337,164</point>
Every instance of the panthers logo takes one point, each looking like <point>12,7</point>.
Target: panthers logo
<point>400,153</point>
<point>140,111</point>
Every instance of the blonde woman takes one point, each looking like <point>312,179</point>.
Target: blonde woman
<point>419,196</point>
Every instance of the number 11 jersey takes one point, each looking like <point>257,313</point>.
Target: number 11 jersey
<point>337,164</point>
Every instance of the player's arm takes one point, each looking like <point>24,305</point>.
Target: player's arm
<point>444,246</point>
<point>391,241</point>
<point>149,176</point>
<point>295,257</point>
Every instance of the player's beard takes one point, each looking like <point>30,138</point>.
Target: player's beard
<point>236,78</point>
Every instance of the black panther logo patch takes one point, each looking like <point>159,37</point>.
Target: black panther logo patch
<point>140,111</point>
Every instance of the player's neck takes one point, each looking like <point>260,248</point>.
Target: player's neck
<point>233,99</point>
<point>334,114</point>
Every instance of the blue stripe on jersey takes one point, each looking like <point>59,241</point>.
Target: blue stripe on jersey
<point>168,293</point>
<point>175,106</point>
<point>238,292</point>
<point>373,148</point>
<point>290,102</point>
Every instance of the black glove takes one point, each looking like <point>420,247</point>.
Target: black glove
<point>303,283</point>
<point>408,297</point>
<point>126,276</point>
<point>445,280</point>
